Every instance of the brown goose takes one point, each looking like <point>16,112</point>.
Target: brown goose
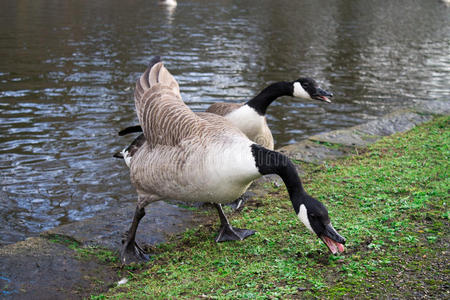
<point>204,158</point>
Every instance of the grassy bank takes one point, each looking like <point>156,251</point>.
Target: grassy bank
<point>390,202</point>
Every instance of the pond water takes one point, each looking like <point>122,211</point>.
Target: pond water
<point>67,73</point>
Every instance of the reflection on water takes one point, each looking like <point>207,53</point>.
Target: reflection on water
<point>67,71</point>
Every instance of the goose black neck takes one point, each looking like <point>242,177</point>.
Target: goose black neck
<point>261,101</point>
<point>272,162</point>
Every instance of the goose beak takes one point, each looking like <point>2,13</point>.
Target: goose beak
<point>322,95</point>
<point>334,241</point>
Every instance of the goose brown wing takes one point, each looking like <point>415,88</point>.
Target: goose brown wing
<point>223,109</point>
<point>162,114</point>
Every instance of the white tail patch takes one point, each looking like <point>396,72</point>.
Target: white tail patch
<point>303,216</point>
<point>126,157</point>
<point>300,92</point>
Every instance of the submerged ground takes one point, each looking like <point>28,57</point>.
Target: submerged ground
<point>389,201</point>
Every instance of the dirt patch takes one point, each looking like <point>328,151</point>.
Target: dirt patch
<point>41,269</point>
<point>51,267</point>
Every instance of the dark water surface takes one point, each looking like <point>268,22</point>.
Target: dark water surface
<point>67,72</point>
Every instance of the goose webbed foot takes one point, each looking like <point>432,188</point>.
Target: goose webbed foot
<point>229,233</point>
<point>132,253</point>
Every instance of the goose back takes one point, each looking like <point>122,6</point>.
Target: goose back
<point>186,156</point>
<point>223,109</point>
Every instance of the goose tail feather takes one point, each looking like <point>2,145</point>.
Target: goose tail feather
<point>164,117</point>
<point>155,74</point>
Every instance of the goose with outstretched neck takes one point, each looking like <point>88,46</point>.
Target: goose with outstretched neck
<point>204,158</point>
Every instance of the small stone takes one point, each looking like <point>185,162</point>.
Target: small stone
<point>302,289</point>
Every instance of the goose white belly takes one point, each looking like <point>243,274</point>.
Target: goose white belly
<point>217,173</point>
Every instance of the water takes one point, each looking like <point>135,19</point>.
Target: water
<point>67,72</point>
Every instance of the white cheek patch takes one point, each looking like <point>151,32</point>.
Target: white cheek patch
<point>303,216</point>
<point>300,92</point>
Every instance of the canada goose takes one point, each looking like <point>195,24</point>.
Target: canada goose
<point>204,158</point>
<point>250,117</point>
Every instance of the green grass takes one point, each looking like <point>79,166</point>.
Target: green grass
<point>390,202</point>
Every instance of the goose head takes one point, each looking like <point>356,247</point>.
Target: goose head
<point>314,215</point>
<point>307,88</point>
<point>311,212</point>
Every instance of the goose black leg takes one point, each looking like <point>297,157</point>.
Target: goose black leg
<point>227,232</point>
<point>131,252</point>
<point>238,203</point>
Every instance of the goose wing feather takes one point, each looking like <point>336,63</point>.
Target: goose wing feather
<point>164,117</point>
<point>223,109</point>
<point>162,114</point>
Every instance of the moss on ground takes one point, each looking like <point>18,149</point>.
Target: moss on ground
<point>390,202</point>
<point>87,252</point>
